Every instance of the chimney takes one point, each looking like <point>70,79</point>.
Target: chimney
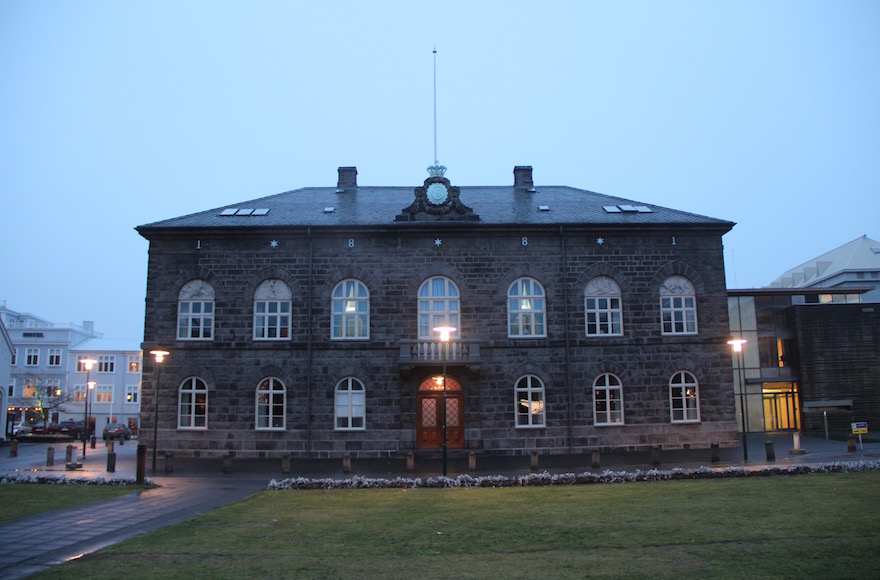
<point>347,178</point>
<point>88,327</point>
<point>522,177</point>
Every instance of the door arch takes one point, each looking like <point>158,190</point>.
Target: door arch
<point>429,422</point>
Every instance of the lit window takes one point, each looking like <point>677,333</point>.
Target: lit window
<point>30,389</point>
<point>132,394</point>
<point>350,405</point>
<point>607,400</point>
<point>272,311</point>
<point>602,305</point>
<point>134,364</point>
<point>271,397</point>
<point>684,398</point>
<point>526,309</point>
<point>193,407</point>
<point>678,306</point>
<point>350,318</point>
<point>195,311</point>
<point>529,394</point>
<point>104,394</point>
<point>439,305</point>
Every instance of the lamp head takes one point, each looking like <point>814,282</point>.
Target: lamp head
<point>445,332</point>
<point>159,355</point>
<point>89,363</point>
<point>737,344</point>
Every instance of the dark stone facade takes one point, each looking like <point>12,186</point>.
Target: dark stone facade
<point>392,261</point>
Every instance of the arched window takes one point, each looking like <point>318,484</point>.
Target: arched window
<point>607,400</point>
<point>350,311</point>
<point>350,405</point>
<point>526,309</point>
<point>272,311</point>
<point>684,398</point>
<point>529,395</point>
<point>193,404</point>
<point>271,403</point>
<point>195,311</point>
<point>678,306</point>
<point>439,305</point>
<point>602,304</point>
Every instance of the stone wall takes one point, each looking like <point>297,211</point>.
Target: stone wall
<point>483,261</point>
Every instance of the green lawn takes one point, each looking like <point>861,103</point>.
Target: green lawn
<point>18,500</point>
<point>808,526</point>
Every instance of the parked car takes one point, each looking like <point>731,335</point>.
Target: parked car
<point>117,431</point>
<point>40,429</point>
<point>21,429</point>
<point>72,429</point>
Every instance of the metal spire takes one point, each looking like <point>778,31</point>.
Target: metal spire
<point>436,169</point>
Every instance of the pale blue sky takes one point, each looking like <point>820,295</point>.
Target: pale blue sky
<point>116,114</point>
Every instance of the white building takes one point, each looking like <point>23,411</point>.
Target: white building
<point>44,377</point>
<point>6,350</point>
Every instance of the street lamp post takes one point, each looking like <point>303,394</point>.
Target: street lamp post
<point>88,363</point>
<point>159,355</point>
<point>737,344</point>
<point>445,332</point>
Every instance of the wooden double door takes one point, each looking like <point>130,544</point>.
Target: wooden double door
<point>429,428</point>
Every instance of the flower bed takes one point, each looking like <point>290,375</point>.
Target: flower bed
<point>63,480</point>
<point>585,478</point>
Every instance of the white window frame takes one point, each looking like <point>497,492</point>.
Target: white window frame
<point>14,356</point>
<point>30,389</point>
<point>350,405</point>
<point>270,400</point>
<point>55,357</point>
<point>439,304</point>
<point>53,386</point>
<point>678,306</point>
<point>684,398</point>
<point>608,394</point>
<point>132,394</point>
<point>32,357</point>
<point>603,307</point>
<point>192,405</point>
<point>526,309</point>
<point>103,394</point>
<point>79,393</point>
<point>195,311</point>
<point>529,402</point>
<point>272,311</point>
<point>350,311</point>
<point>106,363</point>
<point>134,364</point>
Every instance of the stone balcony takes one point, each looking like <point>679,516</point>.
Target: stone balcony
<point>430,353</point>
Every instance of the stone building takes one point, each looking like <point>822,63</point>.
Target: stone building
<point>304,323</point>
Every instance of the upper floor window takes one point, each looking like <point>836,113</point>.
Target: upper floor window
<point>272,311</point>
<point>80,365</point>
<point>32,357</point>
<point>132,393</point>
<point>526,309</point>
<point>439,305</point>
<point>350,404</point>
<point>54,357</point>
<point>30,388</point>
<point>529,394</point>
<point>350,317</point>
<point>271,402</point>
<point>14,356</point>
<point>602,304</point>
<point>134,363</point>
<point>607,400</point>
<point>684,398</point>
<point>106,363</point>
<point>104,394</point>
<point>678,306</point>
<point>193,404</point>
<point>195,311</point>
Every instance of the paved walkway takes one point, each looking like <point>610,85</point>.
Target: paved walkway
<point>196,487</point>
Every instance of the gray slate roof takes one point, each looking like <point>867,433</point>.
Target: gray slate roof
<point>378,206</point>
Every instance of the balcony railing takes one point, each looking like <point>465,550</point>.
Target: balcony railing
<point>415,353</point>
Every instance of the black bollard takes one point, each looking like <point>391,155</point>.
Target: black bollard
<point>141,462</point>
<point>716,453</point>
<point>771,453</point>
<point>655,455</point>
<point>111,462</point>
<point>169,462</point>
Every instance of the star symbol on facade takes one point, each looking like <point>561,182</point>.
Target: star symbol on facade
<point>600,241</point>
<point>274,243</point>
<point>438,242</point>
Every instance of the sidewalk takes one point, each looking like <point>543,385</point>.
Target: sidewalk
<point>197,486</point>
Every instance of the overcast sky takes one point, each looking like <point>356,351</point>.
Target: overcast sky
<point>120,113</point>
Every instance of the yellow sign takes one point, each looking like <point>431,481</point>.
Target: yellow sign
<point>860,428</point>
